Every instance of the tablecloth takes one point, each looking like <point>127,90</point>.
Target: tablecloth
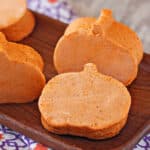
<point>11,140</point>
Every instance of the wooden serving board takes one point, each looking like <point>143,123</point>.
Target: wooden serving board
<point>25,118</point>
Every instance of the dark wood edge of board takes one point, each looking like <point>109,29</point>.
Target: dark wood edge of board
<point>145,129</point>
<point>17,126</point>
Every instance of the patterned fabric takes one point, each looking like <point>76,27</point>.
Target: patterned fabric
<point>144,143</point>
<point>53,8</point>
<point>11,140</point>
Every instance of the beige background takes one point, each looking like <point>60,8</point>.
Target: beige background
<point>135,13</point>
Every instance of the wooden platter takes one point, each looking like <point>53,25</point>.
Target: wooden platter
<point>25,118</point>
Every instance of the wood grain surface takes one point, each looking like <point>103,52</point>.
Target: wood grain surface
<point>25,118</point>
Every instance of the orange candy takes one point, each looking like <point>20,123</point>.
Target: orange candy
<point>11,11</point>
<point>21,74</point>
<point>113,47</point>
<point>84,103</point>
